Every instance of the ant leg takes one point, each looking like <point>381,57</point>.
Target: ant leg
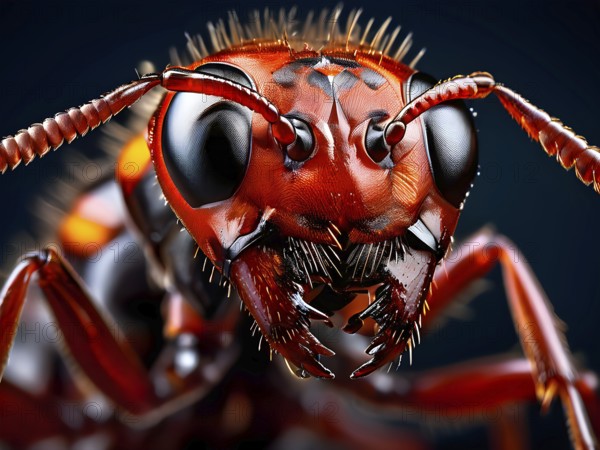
<point>484,390</point>
<point>328,413</point>
<point>537,326</point>
<point>478,391</point>
<point>488,384</point>
<point>109,363</point>
<point>19,406</point>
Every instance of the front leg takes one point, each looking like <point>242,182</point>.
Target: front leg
<point>18,404</point>
<point>537,326</point>
<point>109,363</point>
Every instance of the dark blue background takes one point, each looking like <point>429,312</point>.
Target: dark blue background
<point>57,55</point>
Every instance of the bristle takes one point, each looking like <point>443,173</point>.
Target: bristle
<point>418,333</point>
<point>352,25</point>
<point>283,27</point>
<point>233,27</point>
<point>321,24</point>
<point>399,362</point>
<point>335,239</point>
<point>362,275</point>
<point>213,37</point>
<point>174,57</point>
<point>307,25</point>
<point>380,34</point>
<point>366,32</point>
<point>416,59</point>
<point>393,36</point>
<point>404,48</point>
<point>224,35</point>
<point>281,19</point>
<point>275,32</point>
<point>335,15</point>
<point>192,48</point>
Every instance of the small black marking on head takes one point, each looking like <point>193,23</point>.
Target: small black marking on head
<point>317,79</point>
<point>372,79</point>
<point>344,80</point>
<point>285,77</point>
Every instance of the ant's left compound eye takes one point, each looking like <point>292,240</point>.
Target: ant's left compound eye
<point>206,141</point>
<point>451,142</point>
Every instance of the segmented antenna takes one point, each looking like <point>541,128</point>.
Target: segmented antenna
<point>556,139</point>
<point>39,138</point>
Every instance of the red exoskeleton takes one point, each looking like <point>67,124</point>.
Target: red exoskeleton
<point>322,178</point>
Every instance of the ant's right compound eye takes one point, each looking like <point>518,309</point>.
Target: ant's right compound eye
<point>206,141</point>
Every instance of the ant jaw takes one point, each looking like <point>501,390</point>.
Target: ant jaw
<point>274,292</point>
<point>397,310</point>
<point>276,303</point>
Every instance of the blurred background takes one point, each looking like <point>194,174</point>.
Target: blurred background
<point>60,54</point>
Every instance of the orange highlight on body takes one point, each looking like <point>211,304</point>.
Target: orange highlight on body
<point>132,163</point>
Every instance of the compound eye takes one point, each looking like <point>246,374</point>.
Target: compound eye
<point>206,141</point>
<point>451,142</point>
